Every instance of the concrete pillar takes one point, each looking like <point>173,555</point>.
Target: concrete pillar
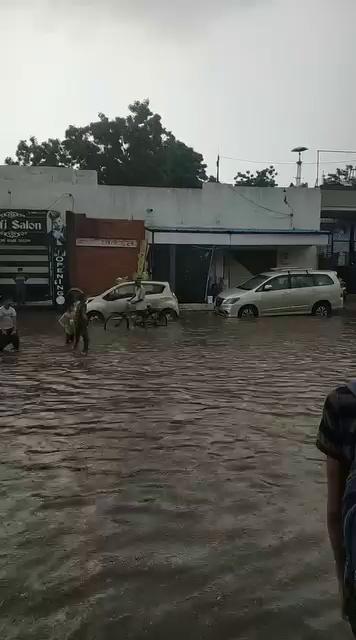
<point>218,266</point>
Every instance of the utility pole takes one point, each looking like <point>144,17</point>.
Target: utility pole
<point>218,169</point>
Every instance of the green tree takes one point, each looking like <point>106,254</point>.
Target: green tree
<point>135,151</point>
<point>51,153</point>
<point>342,178</point>
<point>262,178</point>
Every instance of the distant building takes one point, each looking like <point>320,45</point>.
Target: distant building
<point>65,229</point>
<point>230,232</point>
<point>338,219</point>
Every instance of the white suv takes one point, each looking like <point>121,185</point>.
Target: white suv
<point>114,300</point>
<point>282,292</point>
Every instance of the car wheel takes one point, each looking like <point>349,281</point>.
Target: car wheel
<point>96,316</point>
<point>170,314</point>
<point>161,319</point>
<point>249,311</point>
<point>322,309</point>
<point>114,321</point>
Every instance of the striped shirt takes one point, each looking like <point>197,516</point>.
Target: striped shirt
<point>337,431</point>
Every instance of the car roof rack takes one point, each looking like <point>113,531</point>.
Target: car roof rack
<point>306,269</point>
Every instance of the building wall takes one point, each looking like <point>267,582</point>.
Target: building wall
<point>297,257</point>
<point>241,263</point>
<point>338,217</point>
<point>109,209</point>
<point>235,272</point>
<point>261,208</point>
<point>49,175</point>
<point>94,269</point>
<point>215,205</point>
<point>341,200</point>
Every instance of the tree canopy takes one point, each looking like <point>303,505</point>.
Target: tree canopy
<point>135,150</point>
<point>342,178</point>
<point>262,178</point>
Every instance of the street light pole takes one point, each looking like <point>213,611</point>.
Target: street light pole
<point>317,167</point>
<point>299,151</point>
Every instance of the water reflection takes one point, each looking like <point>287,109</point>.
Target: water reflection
<point>167,486</point>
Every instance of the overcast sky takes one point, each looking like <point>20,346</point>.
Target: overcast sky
<point>247,78</point>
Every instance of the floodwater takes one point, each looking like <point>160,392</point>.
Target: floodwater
<point>167,486</point>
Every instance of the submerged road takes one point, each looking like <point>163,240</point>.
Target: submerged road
<point>167,486</point>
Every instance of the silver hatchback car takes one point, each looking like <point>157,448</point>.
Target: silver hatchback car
<point>158,296</point>
<point>283,292</point>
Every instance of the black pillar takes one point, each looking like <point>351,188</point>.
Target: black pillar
<point>352,245</point>
<point>172,266</point>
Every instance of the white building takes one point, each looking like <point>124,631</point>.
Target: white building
<point>197,236</point>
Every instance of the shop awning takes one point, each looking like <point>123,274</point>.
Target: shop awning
<point>236,237</point>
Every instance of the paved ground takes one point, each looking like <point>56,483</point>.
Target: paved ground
<point>168,486</point>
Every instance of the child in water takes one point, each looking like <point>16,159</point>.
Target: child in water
<point>67,322</point>
<point>81,324</point>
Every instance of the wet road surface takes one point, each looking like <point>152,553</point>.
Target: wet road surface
<point>168,486</point>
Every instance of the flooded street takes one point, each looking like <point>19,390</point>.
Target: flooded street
<point>168,485</point>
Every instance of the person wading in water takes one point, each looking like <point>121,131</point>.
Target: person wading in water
<point>337,439</point>
<point>8,329</point>
<point>20,286</point>
<point>67,323</point>
<point>81,323</point>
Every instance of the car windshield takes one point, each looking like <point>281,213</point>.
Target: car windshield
<point>253,283</point>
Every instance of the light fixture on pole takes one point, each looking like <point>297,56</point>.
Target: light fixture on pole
<point>299,151</point>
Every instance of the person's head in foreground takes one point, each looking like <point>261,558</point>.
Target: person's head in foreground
<point>337,440</point>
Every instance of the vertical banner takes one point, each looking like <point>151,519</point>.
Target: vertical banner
<point>58,245</point>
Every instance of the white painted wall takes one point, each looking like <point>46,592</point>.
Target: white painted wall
<point>297,257</point>
<point>215,206</point>
<point>261,208</point>
<point>236,273</point>
<point>269,239</point>
<point>50,175</point>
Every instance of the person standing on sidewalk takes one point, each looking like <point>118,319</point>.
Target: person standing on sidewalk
<point>8,328</point>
